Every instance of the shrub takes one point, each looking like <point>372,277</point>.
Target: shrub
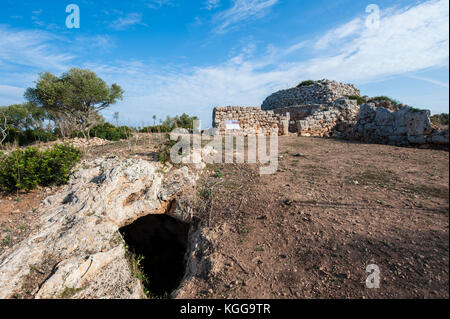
<point>386,98</point>
<point>107,131</point>
<point>25,169</point>
<point>439,119</point>
<point>29,136</point>
<point>358,98</point>
<point>110,132</point>
<point>305,83</point>
<point>57,163</point>
<point>164,150</point>
<point>183,121</point>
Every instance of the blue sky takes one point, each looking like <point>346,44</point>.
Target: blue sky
<point>175,56</point>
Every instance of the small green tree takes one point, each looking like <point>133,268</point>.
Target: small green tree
<point>25,116</point>
<point>74,96</point>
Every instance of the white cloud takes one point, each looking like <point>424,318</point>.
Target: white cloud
<point>156,4</point>
<point>342,32</point>
<point>241,11</point>
<point>212,4</point>
<point>30,48</point>
<point>408,40</point>
<point>130,19</point>
<point>10,94</point>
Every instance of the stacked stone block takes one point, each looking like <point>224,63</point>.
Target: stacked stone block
<point>323,92</point>
<point>251,120</point>
<point>407,126</point>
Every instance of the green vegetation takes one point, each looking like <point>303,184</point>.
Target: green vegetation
<point>25,169</point>
<point>7,241</point>
<point>73,99</point>
<point>183,121</point>
<point>135,264</point>
<point>358,98</point>
<point>218,174</point>
<point>440,120</point>
<point>305,83</point>
<point>107,131</point>
<point>386,98</point>
<point>62,106</point>
<point>69,292</point>
<point>164,150</point>
<point>205,193</point>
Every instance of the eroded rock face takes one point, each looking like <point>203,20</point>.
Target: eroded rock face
<point>321,92</point>
<point>407,126</point>
<point>78,234</point>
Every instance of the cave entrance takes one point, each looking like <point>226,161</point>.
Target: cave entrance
<point>159,242</point>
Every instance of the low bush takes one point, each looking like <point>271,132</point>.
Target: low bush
<point>386,98</point>
<point>440,119</point>
<point>25,169</point>
<point>107,131</point>
<point>358,98</point>
<point>305,83</point>
<point>29,136</point>
<point>164,150</point>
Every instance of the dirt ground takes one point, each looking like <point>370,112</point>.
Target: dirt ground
<point>332,209</point>
<point>311,229</point>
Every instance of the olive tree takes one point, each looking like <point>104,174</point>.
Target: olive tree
<point>75,97</point>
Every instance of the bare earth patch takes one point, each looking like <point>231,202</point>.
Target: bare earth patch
<point>333,208</point>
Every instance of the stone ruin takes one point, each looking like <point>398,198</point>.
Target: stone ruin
<point>251,120</point>
<point>328,108</point>
<point>319,109</point>
<point>323,92</point>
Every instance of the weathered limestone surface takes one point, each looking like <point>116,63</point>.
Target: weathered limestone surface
<point>407,126</point>
<point>321,92</point>
<point>78,233</point>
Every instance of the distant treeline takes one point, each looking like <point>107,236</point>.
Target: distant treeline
<point>170,123</point>
<point>68,106</point>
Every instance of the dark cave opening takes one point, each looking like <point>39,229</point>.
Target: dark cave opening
<point>162,241</point>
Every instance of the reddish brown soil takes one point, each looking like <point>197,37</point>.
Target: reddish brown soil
<point>19,213</point>
<point>333,208</point>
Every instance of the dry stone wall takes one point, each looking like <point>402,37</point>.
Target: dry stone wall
<point>407,126</point>
<point>307,120</point>
<point>321,92</point>
<point>322,119</point>
<point>251,120</point>
<point>336,120</point>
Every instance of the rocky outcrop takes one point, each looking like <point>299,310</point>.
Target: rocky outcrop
<point>78,239</point>
<point>321,92</point>
<point>407,126</point>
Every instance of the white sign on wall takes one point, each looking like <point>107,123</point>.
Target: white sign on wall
<point>232,125</point>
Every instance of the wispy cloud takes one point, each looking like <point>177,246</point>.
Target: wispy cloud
<point>32,48</point>
<point>156,4</point>
<point>9,94</point>
<point>211,4</point>
<point>408,41</point>
<point>130,19</point>
<point>241,11</point>
<point>429,80</point>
